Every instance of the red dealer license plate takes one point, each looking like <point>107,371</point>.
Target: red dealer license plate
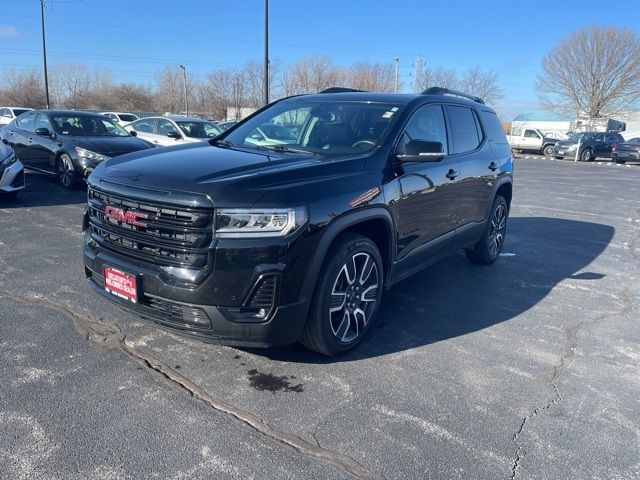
<point>120,284</point>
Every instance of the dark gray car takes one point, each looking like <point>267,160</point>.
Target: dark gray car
<point>587,145</point>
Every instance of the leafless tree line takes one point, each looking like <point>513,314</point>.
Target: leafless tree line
<point>74,85</point>
<point>474,80</point>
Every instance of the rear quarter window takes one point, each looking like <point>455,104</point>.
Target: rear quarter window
<point>464,129</point>
<point>492,127</point>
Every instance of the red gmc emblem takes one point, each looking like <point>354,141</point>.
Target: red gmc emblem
<point>119,215</point>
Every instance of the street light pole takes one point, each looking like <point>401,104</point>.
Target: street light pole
<point>397,70</point>
<point>266,52</point>
<point>186,105</point>
<point>44,54</point>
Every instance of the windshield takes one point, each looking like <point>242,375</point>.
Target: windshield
<point>19,111</point>
<point>323,127</point>
<point>87,125</point>
<point>195,129</point>
<point>127,117</point>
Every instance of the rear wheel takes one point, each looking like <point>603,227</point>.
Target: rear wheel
<point>65,171</point>
<point>488,248</point>
<point>347,296</point>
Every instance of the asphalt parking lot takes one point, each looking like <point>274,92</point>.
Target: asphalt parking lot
<point>529,368</point>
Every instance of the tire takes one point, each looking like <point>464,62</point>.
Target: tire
<point>488,248</point>
<point>65,172</point>
<point>558,158</point>
<point>586,155</point>
<point>547,151</point>
<point>344,306</point>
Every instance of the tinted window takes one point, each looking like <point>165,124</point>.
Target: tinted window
<point>493,127</point>
<point>611,137</point>
<point>531,134</point>
<point>464,130</point>
<point>166,126</point>
<point>127,117</point>
<point>144,125</point>
<point>634,141</point>
<point>26,122</point>
<point>89,125</point>
<point>196,129</point>
<point>19,111</point>
<point>426,124</point>
<point>42,121</point>
<point>599,137</point>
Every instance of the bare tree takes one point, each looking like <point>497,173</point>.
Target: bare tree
<point>311,75</point>
<point>425,77</point>
<point>24,88</point>
<point>482,84</point>
<point>373,77</point>
<point>594,72</point>
<point>170,89</point>
<point>218,92</point>
<point>67,80</point>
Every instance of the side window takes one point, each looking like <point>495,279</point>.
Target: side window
<point>493,127</point>
<point>611,138</point>
<point>4,112</point>
<point>166,126</point>
<point>464,130</point>
<point>42,121</point>
<point>26,122</point>
<point>145,126</point>
<point>531,134</point>
<point>599,137</point>
<point>426,124</point>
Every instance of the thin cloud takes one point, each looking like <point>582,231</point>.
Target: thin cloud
<point>8,31</point>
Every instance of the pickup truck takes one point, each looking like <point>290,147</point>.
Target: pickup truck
<point>532,139</point>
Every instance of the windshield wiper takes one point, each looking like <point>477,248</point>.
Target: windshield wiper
<point>288,149</point>
<point>223,143</point>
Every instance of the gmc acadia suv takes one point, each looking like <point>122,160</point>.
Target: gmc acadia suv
<point>269,244</point>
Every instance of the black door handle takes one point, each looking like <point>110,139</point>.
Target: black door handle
<point>493,166</point>
<point>451,174</point>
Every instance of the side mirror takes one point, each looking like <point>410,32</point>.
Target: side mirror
<point>174,135</point>
<point>422,151</point>
<point>43,132</point>
<point>133,133</point>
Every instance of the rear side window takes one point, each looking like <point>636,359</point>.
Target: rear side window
<point>464,129</point>
<point>493,127</point>
<point>26,122</point>
<point>145,126</point>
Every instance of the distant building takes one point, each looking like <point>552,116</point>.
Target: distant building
<point>547,122</point>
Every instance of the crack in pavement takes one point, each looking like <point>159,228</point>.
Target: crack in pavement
<point>109,336</point>
<point>571,345</point>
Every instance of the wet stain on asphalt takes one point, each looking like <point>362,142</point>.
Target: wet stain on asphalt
<point>271,382</point>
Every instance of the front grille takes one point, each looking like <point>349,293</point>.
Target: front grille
<point>171,236</point>
<point>179,313</point>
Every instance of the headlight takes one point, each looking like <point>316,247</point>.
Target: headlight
<point>572,147</point>
<point>89,155</point>
<point>258,222</point>
<point>9,160</point>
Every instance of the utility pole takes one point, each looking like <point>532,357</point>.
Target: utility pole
<point>44,54</point>
<point>266,52</point>
<point>397,70</point>
<point>186,105</point>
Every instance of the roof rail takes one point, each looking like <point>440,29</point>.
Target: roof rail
<point>446,91</point>
<point>339,90</point>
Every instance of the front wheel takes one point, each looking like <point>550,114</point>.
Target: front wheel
<point>586,155</point>
<point>65,171</point>
<point>488,248</point>
<point>547,151</point>
<point>347,296</point>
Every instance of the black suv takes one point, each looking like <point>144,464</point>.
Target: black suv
<point>261,243</point>
<point>587,145</point>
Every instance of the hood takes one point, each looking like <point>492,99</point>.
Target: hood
<point>565,143</point>
<point>231,177</point>
<point>109,146</point>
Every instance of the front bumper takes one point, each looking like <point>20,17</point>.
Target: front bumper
<point>12,179</point>
<point>212,309</point>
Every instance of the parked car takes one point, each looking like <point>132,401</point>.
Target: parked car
<point>8,114</point>
<point>592,145</point>
<point>628,151</point>
<point>68,144</point>
<point>224,126</point>
<point>266,245</point>
<point>173,130</point>
<point>532,139</point>
<point>11,171</point>
<point>121,118</point>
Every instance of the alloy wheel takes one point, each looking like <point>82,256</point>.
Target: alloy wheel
<point>353,297</point>
<point>65,171</point>
<point>497,229</point>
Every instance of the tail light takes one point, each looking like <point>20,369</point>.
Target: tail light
<point>614,146</point>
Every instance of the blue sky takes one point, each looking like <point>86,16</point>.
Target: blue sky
<point>137,38</point>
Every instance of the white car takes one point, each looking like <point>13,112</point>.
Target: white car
<point>174,130</point>
<point>11,171</point>
<point>121,118</point>
<point>7,114</point>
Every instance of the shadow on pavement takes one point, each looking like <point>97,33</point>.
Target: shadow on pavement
<point>43,190</point>
<point>455,297</point>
